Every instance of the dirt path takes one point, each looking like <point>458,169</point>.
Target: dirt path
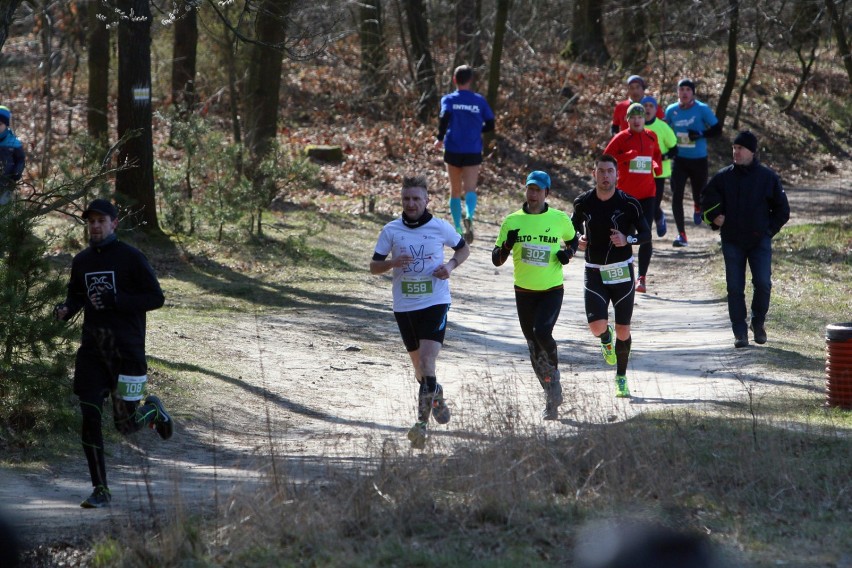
<point>326,390</point>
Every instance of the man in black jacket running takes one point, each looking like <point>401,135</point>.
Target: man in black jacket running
<point>747,203</point>
<point>115,286</point>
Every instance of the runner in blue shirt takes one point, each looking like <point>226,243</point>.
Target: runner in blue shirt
<point>693,122</point>
<point>465,115</point>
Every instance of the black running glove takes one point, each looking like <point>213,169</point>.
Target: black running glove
<point>694,135</point>
<point>564,256</point>
<point>511,239</point>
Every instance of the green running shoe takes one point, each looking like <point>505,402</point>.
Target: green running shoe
<point>621,390</point>
<point>607,349</point>
<point>417,436</point>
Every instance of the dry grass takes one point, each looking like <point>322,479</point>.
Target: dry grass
<point>763,482</point>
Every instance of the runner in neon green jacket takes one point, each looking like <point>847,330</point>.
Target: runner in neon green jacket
<point>668,148</point>
<point>533,236</point>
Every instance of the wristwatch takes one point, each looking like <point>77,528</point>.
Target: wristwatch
<point>631,240</point>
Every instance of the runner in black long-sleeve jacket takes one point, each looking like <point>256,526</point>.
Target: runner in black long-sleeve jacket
<point>114,285</point>
<point>610,222</point>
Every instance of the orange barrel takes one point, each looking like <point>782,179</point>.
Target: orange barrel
<point>838,365</point>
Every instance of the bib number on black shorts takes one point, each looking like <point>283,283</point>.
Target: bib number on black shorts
<point>132,387</point>
<point>615,273</point>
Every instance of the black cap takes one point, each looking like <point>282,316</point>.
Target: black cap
<point>686,83</point>
<point>747,140</point>
<point>101,206</point>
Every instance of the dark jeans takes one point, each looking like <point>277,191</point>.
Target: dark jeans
<point>683,169</point>
<point>759,259</point>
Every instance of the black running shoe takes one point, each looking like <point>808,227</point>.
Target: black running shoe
<point>100,497</point>
<point>163,422</point>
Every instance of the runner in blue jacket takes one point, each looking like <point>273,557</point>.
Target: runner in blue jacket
<point>465,116</point>
<point>693,122</point>
<point>12,157</point>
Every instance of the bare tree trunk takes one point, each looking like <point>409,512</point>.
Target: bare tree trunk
<point>97,118</point>
<point>374,59</point>
<point>226,45</point>
<point>731,75</point>
<point>804,35</point>
<point>747,80</point>
<point>47,86</point>
<point>587,34</point>
<point>234,102</point>
<point>136,184</point>
<point>7,12</point>
<point>634,35</point>
<point>840,36</point>
<point>184,51</point>
<point>502,17</point>
<point>403,41</point>
<point>263,81</point>
<point>424,69</point>
<point>72,89</point>
<point>807,65</point>
<point>262,92</point>
<point>467,34</point>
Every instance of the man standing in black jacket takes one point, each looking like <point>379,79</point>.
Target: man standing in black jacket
<point>747,203</point>
<point>114,285</point>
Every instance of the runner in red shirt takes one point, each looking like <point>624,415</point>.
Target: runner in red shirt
<point>639,159</point>
<point>635,91</point>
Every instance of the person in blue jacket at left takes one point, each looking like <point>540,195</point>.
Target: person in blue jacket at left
<point>12,157</point>
<point>465,116</point>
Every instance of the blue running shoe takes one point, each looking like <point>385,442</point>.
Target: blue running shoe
<point>661,226</point>
<point>696,217</point>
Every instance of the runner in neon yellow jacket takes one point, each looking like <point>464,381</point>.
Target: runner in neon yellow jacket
<point>668,148</point>
<point>533,236</point>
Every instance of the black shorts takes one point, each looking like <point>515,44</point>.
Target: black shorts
<point>462,160</point>
<point>97,371</point>
<point>598,296</point>
<point>429,323</point>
